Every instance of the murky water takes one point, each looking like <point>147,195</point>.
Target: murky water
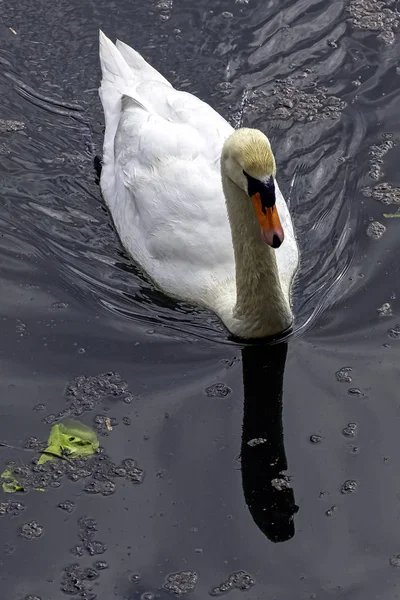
<point>254,471</point>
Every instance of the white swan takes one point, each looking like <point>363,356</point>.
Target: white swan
<point>194,202</point>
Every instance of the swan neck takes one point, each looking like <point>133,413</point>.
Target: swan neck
<point>261,306</point>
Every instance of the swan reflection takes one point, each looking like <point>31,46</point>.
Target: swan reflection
<point>267,491</point>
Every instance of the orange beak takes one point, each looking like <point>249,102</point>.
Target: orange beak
<point>270,224</point>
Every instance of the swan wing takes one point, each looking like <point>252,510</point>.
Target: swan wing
<point>161,175</point>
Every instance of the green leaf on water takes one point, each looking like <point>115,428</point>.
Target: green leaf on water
<point>392,215</point>
<point>70,439</point>
<point>10,485</point>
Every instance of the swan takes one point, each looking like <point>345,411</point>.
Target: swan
<point>195,203</point>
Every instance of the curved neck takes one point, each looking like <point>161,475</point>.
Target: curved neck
<point>261,307</point>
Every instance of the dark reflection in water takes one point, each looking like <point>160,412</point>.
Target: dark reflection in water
<point>268,494</point>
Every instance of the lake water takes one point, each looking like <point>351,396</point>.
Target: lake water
<point>263,472</point>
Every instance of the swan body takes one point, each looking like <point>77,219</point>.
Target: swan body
<point>176,178</point>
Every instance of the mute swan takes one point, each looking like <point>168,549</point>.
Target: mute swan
<point>195,203</point>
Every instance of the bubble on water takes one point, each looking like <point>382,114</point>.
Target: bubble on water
<point>100,565</point>
<point>33,443</point>
<point>377,153</point>
<point>374,16</point>
<point>87,531</point>
<point>31,530</point>
<point>315,439</point>
<point>239,580</point>
<point>13,509</point>
<point>68,506</point>
<point>350,430</point>
<point>135,577</point>
<point>280,483</point>
<point>256,441</point>
<point>32,597</point>
<point>126,420</point>
<point>39,407</point>
<point>227,15</point>
<point>8,125</point>
<point>395,332</point>
<point>343,375</point>
<point>9,549</point>
<point>349,486</point>
<point>375,230</point>
<point>78,550</point>
<point>298,97</point>
<point>331,511</point>
<point>84,393</point>
<point>227,362</point>
<point>385,310</point>
<point>58,305</point>
<point>164,5</point>
<point>395,561</point>
<point>20,327</point>
<point>105,488</point>
<point>77,581</point>
<point>384,193</point>
<point>181,583</point>
<point>217,390</point>
<point>147,596</point>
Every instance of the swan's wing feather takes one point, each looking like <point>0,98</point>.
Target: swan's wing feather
<point>161,174</point>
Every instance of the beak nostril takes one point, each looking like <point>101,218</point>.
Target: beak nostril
<point>276,242</point>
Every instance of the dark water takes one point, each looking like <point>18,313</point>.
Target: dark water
<point>72,304</point>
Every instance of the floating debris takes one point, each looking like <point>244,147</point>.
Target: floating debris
<point>375,15</point>
<point>331,511</point>
<point>375,230</point>
<point>11,508</point>
<point>7,126</point>
<point>378,151</point>
<point>315,439</point>
<point>76,580</point>
<point>217,390</point>
<point>385,310</point>
<point>349,486</point>
<point>69,439</point>
<point>395,215</point>
<point>280,483</point>
<point>350,430</point>
<point>394,561</point>
<point>354,392</point>
<point>384,193</point>
<point>239,580</point>
<point>68,506</point>
<point>97,472</point>
<point>85,393</point>
<point>256,442</point>
<point>31,530</point>
<point>104,424</point>
<point>181,583</point>
<point>343,375</point>
<point>298,98</point>
<point>395,332</point>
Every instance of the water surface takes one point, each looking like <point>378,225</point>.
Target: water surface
<point>321,79</point>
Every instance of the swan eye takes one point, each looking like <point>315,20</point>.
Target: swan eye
<point>266,189</point>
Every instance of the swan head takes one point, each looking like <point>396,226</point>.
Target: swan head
<point>247,159</point>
